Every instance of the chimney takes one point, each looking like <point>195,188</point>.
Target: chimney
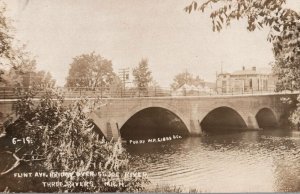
<point>254,68</point>
<point>243,68</point>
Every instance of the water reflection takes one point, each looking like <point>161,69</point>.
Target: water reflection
<point>261,161</point>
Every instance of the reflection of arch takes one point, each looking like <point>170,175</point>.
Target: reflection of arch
<point>266,118</point>
<point>153,121</point>
<point>223,118</point>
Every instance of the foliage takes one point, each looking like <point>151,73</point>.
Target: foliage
<point>15,62</point>
<point>65,141</point>
<point>42,79</point>
<point>166,188</point>
<point>16,76</point>
<point>7,53</point>
<point>13,57</point>
<point>142,76</point>
<point>5,35</point>
<point>295,118</point>
<point>186,78</point>
<point>288,71</point>
<point>90,70</point>
<point>295,115</point>
<point>23,73</point>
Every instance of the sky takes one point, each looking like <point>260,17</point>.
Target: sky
<point>125,31</point>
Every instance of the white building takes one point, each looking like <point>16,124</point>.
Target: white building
<point>245,81</point>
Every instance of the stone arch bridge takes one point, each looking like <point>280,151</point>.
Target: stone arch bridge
<point>196,113</point>
<point>253,112</point>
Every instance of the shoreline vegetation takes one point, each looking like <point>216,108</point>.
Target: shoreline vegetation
<point>62,138</point>
<point>168,188</point>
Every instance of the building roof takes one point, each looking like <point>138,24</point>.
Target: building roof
<point>246,72</point>
<point>252,71</point>
<point>249,72</point>
<point>224,73</point>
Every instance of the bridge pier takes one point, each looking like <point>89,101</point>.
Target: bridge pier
<point>108,127</point>
<point>251,122</point>
<point>195,128</point>
<point>112,129</point>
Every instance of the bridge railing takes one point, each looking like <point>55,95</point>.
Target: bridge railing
<point>12,93</point>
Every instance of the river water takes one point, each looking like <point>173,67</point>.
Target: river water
<point>253,161</point>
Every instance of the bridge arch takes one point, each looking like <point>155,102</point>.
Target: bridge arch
<point>153,121</point>
<point>266,118</point>
<point>223,119</point>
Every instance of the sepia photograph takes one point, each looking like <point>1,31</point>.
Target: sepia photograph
<point>149,96</point>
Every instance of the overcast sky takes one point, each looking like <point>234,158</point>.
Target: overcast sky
<point>125,31</point>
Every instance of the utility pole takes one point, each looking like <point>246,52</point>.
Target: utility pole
<point>124,76</point>
<point>186,72</point>
<point>216,88</point>
<point>221,67</point>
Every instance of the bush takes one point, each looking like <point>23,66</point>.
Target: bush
<point>295,116</point>
<point>166,188</point>
<point>64,140</point>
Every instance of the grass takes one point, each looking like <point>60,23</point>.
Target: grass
<point>166,188</point>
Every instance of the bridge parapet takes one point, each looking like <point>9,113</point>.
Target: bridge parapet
<point>105,92</point>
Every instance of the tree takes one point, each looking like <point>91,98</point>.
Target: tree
<point>287,64</point>
<point>90,70</point>
<point>16,63</point>
<point>23,73</point>
<point>142,76</point>
<point>186,78</point>
<point>41,79</point>
<point>11,54</point>
<point>7,53</point>
<point>5,35</point>
<point>284,25</point>
<point>115,89</point>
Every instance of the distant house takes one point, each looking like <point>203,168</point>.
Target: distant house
<point>191,90</point>
<point>245,81</point>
